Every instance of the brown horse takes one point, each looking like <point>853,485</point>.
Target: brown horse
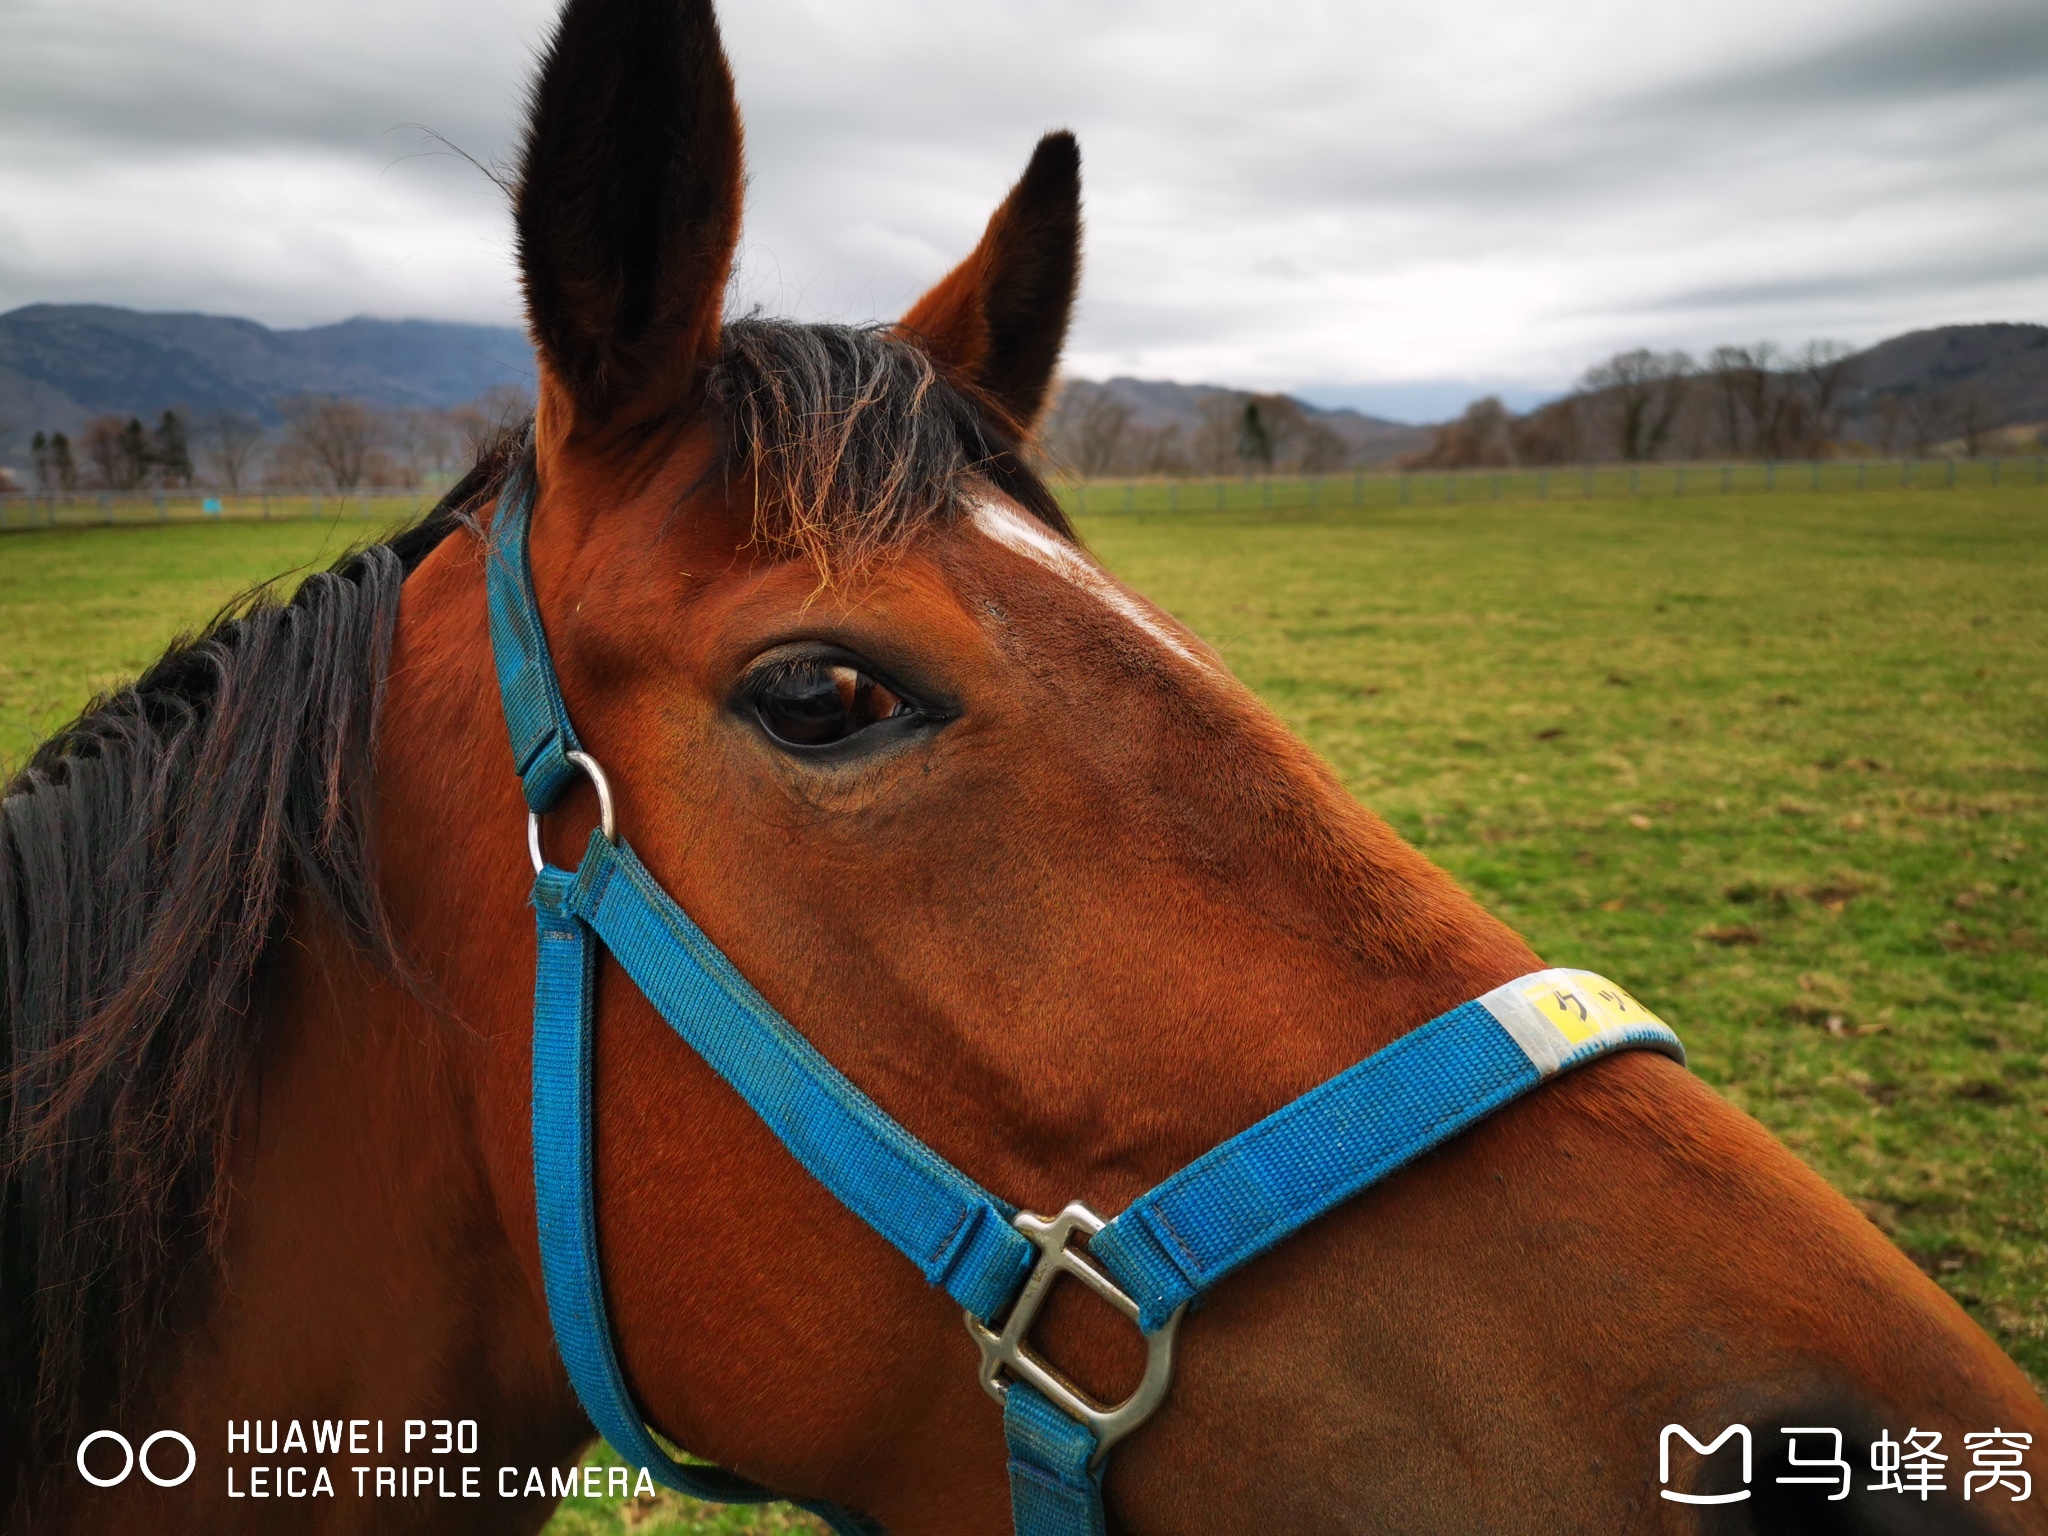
<point>1006,842</point>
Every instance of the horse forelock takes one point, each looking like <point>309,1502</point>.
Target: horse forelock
<point>854,441</point>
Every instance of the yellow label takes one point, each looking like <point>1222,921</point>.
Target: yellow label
<point>1582,1006</point>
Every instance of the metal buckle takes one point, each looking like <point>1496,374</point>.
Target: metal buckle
<point>1007,1350</point>
<point>588,764</point>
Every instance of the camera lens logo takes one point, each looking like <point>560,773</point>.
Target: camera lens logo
<point>131,1458</point>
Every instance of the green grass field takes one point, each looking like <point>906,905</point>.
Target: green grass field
<point>1779,763</point>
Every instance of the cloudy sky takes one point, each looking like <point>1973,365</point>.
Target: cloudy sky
<point>1391,203</point>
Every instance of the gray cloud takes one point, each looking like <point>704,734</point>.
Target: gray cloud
<point>1311,193</point>
<point>1915,56</point>
<point>1888,283</point>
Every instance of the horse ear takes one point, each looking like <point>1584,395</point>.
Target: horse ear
<point>1000,317</point>
<point>629,202</point>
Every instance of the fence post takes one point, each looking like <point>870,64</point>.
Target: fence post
<point>1951,472</point>
<point>1996,466</point>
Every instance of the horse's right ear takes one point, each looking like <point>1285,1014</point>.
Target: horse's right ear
<point>629,204</point>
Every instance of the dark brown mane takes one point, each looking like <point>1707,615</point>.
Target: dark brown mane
<point>147,853</point>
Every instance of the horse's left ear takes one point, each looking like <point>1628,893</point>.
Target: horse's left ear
<point>998,319</point>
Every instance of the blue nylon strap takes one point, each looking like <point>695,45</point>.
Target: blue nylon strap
<point>1269,1181</point>
<point>535,716</point>
<point>956,1233</point>
<point>564,994</point>
<point>1052,1492</point>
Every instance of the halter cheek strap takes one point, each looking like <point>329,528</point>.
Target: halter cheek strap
<point>998,1263</point>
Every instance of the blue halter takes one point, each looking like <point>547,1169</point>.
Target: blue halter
<point>1165,1249</point>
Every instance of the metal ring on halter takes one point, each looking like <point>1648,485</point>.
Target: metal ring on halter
<point>1006,1350</point>
<point>589,765</point>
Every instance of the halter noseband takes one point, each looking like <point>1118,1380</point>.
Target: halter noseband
<point>1149,1262</point>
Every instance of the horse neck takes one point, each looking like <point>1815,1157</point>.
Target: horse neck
<point>365,1275</point>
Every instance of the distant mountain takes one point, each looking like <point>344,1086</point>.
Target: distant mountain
<point>1150,426</point>
<point>1370,437</point>
<point>63,363</point>
<point>2009,363</point>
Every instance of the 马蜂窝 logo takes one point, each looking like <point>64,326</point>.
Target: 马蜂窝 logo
<point>1735,1431</point>
<point>1915,1465</point>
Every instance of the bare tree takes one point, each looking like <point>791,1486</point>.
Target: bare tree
<point>334,435</point>
<point>1928,413</point>
<point>228,442</point>
<point>1727,371</point>
<point>1215,444</point>
<point>427,444</point>
<point>1087,431</point>
<point>1480,437</point>
<point>1156,450</point>
<point>491,415</point>
<point>1976,414</point>
<point>1888,414</point>
<point>1322,449</point>
<point>1643,390</point>
<point>1552,434</point>
<point>1777,415</point>
<point>1824,370</point>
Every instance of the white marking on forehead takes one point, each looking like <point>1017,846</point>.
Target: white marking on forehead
<point>1014,531</point>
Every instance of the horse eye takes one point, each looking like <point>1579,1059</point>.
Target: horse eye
<point>816,703</point>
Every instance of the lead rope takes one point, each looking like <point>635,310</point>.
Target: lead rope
<point>1162,1251</point>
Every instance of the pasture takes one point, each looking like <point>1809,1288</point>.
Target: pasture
<point>1777,762</point>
